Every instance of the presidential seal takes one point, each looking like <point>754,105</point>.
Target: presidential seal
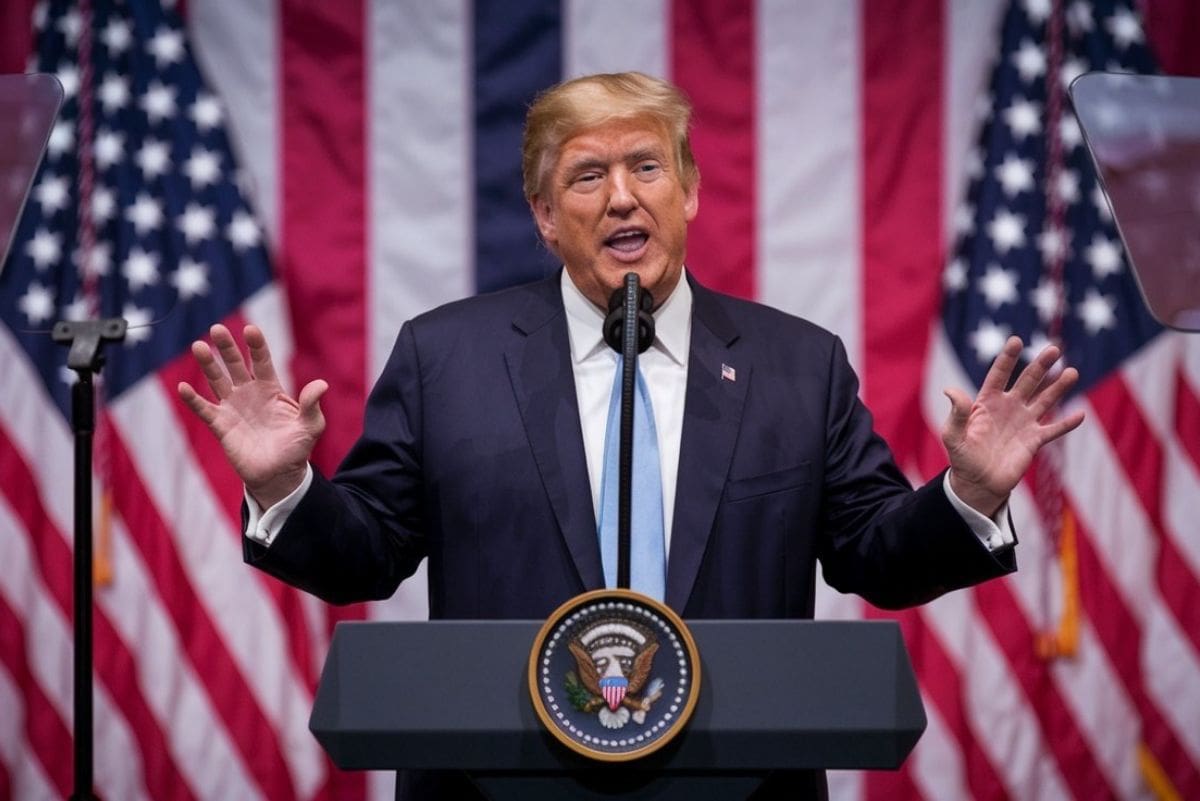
<point>614,675</point>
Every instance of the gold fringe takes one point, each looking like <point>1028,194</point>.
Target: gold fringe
<point>1064,641</point>
<point>102,569</point>
<point>1155,777</point>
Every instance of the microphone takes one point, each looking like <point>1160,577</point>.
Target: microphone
<point>629,296</point>
<point>629,330</point>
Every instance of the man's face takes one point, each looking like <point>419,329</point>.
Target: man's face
<point>612,204</point>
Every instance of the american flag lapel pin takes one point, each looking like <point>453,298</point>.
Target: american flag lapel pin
<point>728,373</point>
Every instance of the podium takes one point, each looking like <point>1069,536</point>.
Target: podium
<point>775,695</point>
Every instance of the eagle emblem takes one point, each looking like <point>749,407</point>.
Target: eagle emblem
<point>613,660</point>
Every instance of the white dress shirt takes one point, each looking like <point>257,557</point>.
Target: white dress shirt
<point>664,366</point>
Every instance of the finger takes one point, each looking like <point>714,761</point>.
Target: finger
<point>205,410</point>
<point>1053,431</point>
<point>960,411</point>
<point>1001,370</point>
<point>1054,392</point>
<point>1031,378</point>
<point>214,373</point>
<point>260,355</point>
<point>227,346</point>
<point>310,404</point>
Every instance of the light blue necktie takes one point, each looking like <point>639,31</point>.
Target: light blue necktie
<point>647,560</point>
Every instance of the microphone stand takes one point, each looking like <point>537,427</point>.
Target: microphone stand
<point>628,329</point>
<point>86,339</point>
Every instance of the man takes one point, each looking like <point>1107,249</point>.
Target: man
<point>483,442</point>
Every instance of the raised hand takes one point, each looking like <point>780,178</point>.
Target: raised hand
<point>267,435</point>
<point>992,440</point>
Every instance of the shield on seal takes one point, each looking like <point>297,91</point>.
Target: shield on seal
<point>613,688</point>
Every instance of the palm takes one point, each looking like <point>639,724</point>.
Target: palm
<point>992,440</point>
<point>266,434</point>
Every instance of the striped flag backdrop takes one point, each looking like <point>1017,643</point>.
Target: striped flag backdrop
<point>378,146</point>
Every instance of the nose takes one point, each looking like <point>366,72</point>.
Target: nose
<point>621,197</point>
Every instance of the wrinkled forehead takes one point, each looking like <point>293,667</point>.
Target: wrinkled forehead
<point>615,138</point>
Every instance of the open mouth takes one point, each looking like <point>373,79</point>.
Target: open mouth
<point>627,244</point>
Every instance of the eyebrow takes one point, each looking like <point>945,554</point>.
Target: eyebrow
<point>586,163</point>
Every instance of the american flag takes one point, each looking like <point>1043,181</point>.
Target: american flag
<point>379,143</point>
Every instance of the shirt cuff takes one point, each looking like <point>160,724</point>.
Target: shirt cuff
<point>994,532</point>
<point>262,526</point>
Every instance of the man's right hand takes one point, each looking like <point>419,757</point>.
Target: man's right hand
<point>267,435</point>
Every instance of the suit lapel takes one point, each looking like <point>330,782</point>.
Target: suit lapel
<point>539,366</point>
<point>711,418</point>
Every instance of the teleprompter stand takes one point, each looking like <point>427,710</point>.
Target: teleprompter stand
<point>776,695</point>
<point>86,340</point>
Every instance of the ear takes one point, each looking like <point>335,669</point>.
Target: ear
<point>543,215</point>
<point>691,201</point>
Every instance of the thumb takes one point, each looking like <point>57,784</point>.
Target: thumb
<point>310,403</point>
<point>960,410</point>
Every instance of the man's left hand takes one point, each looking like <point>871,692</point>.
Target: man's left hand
<point>992,440</point>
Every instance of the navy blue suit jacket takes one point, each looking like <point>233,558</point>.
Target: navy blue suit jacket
<point>472,455</point>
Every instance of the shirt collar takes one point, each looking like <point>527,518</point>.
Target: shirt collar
<point>672,322</point>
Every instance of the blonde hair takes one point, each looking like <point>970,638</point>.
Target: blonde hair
<point>562,111</point>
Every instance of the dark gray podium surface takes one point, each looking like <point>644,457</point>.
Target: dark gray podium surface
<point>775,695</point>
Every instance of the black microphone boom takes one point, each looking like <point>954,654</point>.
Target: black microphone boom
<point>629,330</point>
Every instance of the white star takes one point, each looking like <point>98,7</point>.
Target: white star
<point>117,36</point>
<point>104,204</point>
<point>988,339</point>
<point>1068,186</point>
<point>99,261</point>
<point>203,168</point>
<point>145,214</point>
<point>1097,311</point>
<point>68,76</point>
<point>243,231</point>
<point>197,223</point>
<point>40,16</point>
<point>1007,231</point>
<point>999,286</point>
<point>139,324</point>
<point>1100,201</point>
<point>955,277</point>
<point>45,249</point>
<point>77,309</point>
<point>1104,255</point>
<point>1038,341</point>
<point>1045,299</point>
<point>1052,244</point>
<point>1023,118</point>
<point>114,92</point>
<point>51,194</point>
<point>1030,61</point>
<point>70,25</point>
<point>37,304</point>
<point>154,158</point>
<point>1079,18</point>
<point>166,46</point>
<point>62,139</point>
<point>109,148</point>
<point>206,112</point>
<point>191,279</point>
<point>140,269</point>
<point>1015,175</point>
<point>1068,131</point>
<point>158,102</point>
<point>1124,27</point>
<point>1038,11</point>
